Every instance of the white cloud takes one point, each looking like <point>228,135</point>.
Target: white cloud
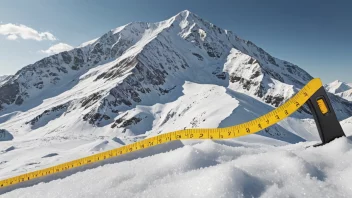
<point>60,47</point>
<point>13,32</point>
<point>12,37</point>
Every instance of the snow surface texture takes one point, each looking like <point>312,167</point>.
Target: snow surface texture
<point>341,89</point>
<point>228,168</point>
<point>143,79</point>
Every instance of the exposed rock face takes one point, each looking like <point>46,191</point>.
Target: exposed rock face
<point>9,94</point>
<point>121,123</point>
<point>61,108</point>
<point>5,135</point>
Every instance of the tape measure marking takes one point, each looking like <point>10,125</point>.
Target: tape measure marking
<point>246,128</point>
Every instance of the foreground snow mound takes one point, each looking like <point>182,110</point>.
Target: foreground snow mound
<point>216,169</point>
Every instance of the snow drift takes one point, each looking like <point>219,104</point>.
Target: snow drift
<point>228,168</point>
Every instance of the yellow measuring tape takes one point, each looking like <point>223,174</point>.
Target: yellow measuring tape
<point>250,127</point>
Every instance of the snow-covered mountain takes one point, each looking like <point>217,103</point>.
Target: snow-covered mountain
<point>339,88</point>
<point>143,79</point>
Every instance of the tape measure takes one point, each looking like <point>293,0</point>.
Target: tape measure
<point>320,106</point>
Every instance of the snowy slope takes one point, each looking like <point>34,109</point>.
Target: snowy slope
<point>196,108</point>
<point>347,124</point>
<point>142,79</point>
<point>341,89</point>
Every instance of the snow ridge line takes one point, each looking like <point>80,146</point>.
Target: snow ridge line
<point>247,128</point>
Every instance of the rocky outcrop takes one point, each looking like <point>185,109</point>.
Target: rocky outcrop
<point>5,136</point>
<point>9,94</point>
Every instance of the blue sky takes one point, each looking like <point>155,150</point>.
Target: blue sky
<point>316,35</point>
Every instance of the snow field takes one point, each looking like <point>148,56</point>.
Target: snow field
<point>215,169</point>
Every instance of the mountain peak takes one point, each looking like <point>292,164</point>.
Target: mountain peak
<point>337,82</point>
<point>185,12</point>
<point>184,15</point>
<point>338,86</point>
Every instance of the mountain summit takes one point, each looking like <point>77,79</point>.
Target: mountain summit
<point>142,79</point>
<point>339,88</point>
